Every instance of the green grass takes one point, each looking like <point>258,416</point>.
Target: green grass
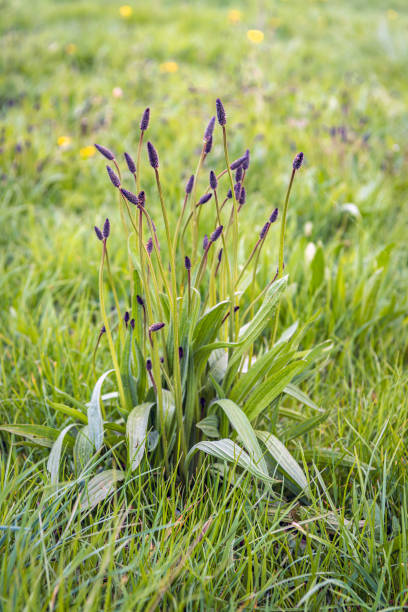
<point>321,67</point>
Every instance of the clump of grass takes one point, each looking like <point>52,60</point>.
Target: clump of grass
<point>188,340</point>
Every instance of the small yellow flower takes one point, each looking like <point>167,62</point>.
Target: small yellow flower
<point>169,67</point>
<point>125,11</point>
<point>255,36</point>
<point>71,48</point>
<point>64,141</point>
<point>87,152</point>
<point>234,16</point>
<point>391,14</point>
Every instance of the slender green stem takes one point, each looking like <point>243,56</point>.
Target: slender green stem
<point>281,249</point>
<point>176,341</point>
<point>115,298</point>
<point>108,331</point>
<point>193,206</point>
<point>139,151</point>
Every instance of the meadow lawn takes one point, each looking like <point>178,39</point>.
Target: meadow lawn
<point>322,77</point>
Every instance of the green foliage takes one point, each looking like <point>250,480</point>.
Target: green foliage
<point>326,80</point>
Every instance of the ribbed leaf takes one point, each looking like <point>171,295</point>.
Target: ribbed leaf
<point>208,325</point>
<point>243,427</point>
<point>306,425</point>
<point>55,455</point>
<point>99,488</point>
<point>39,434</point>
<point>83,449</point>
<point>249,333</point>
<point>267,391</point>
<point>209,426</point>
<point>296,393</point>
<point>286,463</point>
<point>272,360</point>
<point>227,450</point>
<point>95,422</point>
<point>136,431</point>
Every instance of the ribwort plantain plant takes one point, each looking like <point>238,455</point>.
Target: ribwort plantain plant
<point>193,367</point>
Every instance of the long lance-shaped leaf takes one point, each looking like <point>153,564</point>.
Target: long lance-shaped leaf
<point>243,427</point>
<point>252,330</point>
<point>136,432</point>
<point>284,460</point>
<point>54,458</point>
<point>208,325</point>
<point>296,393</point>
<point>83,449</point>
<point>129,384</point>
<point>39,434</point>
<point>95,422</point>
<point>272,360</point>
<point>267,391</point>
<point>226,450</point>
<point>99,488</point>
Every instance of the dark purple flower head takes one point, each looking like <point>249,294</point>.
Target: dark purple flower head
<point>149,246</point>
<point>131,197</point>
<point>141,197</point>
<point>132,323</point>
<point>187,263</point>
<point>205,242</point>
<point>161,359</point>
<point>202,402</point>
<point>156,327</point>
<point>264,230</point>
<point>126,318</point>
<point>106,229</point>
<point>242,196</point>
<point>213,180</point>
<point>209,129</point>
<point>237,163</point>
<point>229,194</point>
<point>113,177</point>
<point>144,122</point>
<point>274,216</point>
<point>190,183</point>
<point>149,365</point>
<point>204,199</point>
<point>98,232</point>
<point>297,162</point>
<point>219,255</point>
<point>105,152</point>
<point>216,233</point>
<point>208,146</point>
<point>139,300</point>
<point>238,174</point>
<point>130,163</point>
<point>103,330</point>
<point>181,352</point>
<point>237,190</point>
<point>222,119</point>
<point>245,163</point>
<point>153,157</point>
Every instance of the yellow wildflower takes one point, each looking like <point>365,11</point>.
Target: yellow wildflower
<point>391,14</point>
<point>234,16</point>
<point>169,67</point>
<point>64,141</point>
<point>255,36</point>
<point>87,152</point>
<point>125,11</point>
<point>71,48</point>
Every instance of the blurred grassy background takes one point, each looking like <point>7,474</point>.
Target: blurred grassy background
<point>319,76</point>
